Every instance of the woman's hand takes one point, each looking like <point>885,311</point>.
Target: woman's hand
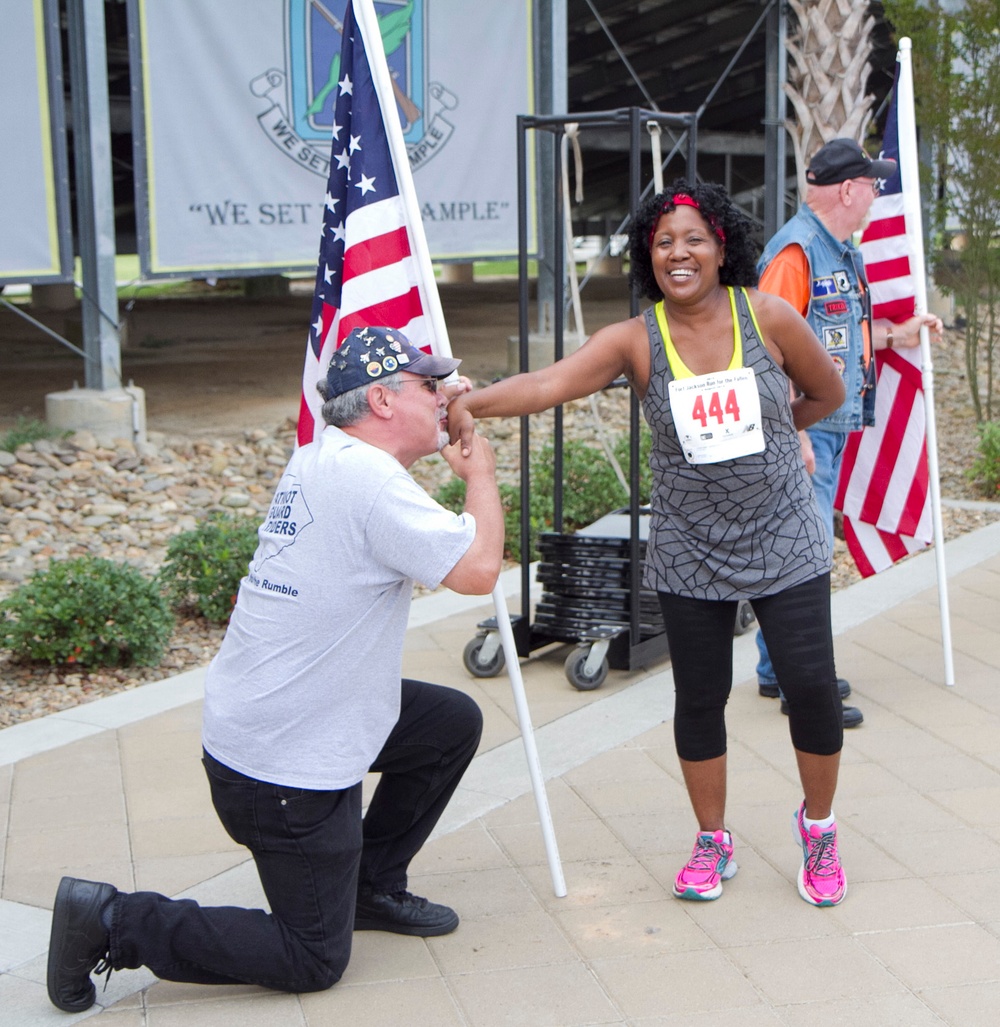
<point>461,424</point>
<point>808,456</point>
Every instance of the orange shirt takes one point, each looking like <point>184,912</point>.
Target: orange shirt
<point>788,276</point>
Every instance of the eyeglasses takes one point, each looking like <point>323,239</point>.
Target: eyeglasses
<point>430,384</point>
<point>876,186</point>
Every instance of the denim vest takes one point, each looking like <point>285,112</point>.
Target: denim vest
<point>837,308</point>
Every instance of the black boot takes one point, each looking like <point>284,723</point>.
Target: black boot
<point>772,691</point>
<point>852,715</point>
<point>79,943</point>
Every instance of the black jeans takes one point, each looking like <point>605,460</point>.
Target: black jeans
<point>312,851</point>
<point>796,626</point>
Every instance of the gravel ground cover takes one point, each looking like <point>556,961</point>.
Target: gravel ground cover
<point>123,501</point>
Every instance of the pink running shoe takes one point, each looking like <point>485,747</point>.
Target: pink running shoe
<point>822,881</point>
<point>710,864</point>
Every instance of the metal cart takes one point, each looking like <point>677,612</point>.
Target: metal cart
<point>586,601</point>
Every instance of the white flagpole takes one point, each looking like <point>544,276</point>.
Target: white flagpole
<point>367,21</point>
<point>528,738</point>
<point>910,176</point>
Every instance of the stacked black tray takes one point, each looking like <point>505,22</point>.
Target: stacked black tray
<point>586,586</point>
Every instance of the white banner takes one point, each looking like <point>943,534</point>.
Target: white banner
<point>233,112</point>
<point>35,241</point>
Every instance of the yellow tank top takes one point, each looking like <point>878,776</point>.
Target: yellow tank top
<point>677,366</point>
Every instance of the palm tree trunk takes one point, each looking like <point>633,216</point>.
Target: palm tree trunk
<point>828,75</point>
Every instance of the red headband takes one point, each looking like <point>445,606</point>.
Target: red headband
<point>683,200</point>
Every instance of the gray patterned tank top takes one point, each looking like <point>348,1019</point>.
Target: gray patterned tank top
<point>740,528</point>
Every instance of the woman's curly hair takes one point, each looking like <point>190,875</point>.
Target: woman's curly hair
<point>740,267</point>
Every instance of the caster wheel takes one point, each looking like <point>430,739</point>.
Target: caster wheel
<point>578,677</point>
<point>744,617</point>
<point>470,657</point>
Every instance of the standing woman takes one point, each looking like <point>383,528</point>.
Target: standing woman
<point>733,513</point>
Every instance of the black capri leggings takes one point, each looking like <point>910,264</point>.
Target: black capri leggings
<point>796,627</point>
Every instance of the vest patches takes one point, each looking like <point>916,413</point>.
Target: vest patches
<point>835,337</point>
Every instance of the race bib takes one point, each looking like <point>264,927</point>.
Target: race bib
<point>717,416</point>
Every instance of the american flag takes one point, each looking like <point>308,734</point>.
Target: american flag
<point>368,273</point>
<point>884,489</point>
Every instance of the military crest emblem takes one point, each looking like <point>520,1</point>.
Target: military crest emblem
<point>301,96</point>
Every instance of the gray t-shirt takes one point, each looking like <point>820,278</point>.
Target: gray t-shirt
<point>305,687</point>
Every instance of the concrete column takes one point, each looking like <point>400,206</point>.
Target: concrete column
<point>607,266</point>
<point>54,296</point>
<point>541,351</point>
<point>266,287</point>
<point>457,274</point>
<point>111,413</point>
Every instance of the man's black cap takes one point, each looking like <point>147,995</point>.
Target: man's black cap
<point>841,159</point>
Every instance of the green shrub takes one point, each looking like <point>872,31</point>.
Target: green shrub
<point>986,469</point>
<point>25,430</point>
<point>204,566</point>
<point>87,611</point>
<point>510,500</point>
<point>621,450</point>
<point>451,495</point>
<point>590,490</point>
<point>590,486</point>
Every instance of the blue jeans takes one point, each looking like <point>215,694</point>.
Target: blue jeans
<point>312,851</point>
<point>828,448</point>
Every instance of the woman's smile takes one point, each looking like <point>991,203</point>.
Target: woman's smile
<point>685,249</point>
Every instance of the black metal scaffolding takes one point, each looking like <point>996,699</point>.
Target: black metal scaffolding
<point>626,650</point>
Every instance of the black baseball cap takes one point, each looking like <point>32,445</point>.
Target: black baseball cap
<point>841,159</point>
<point>368,354</point>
